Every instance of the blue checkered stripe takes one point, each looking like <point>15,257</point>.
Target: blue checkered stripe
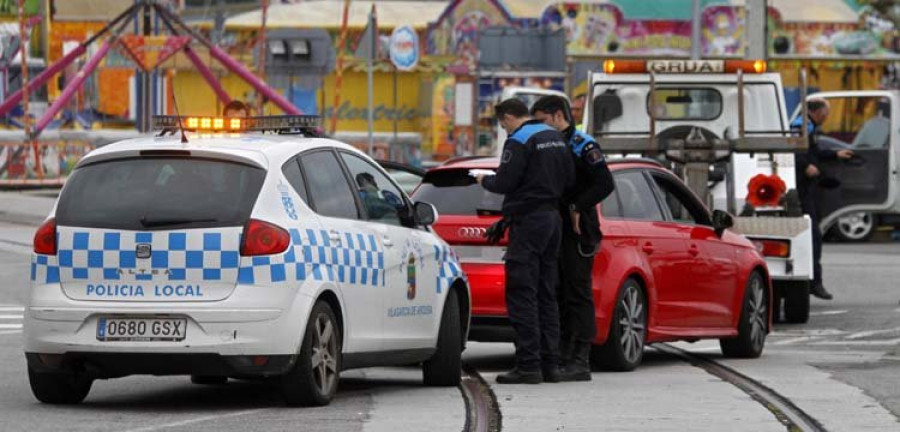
<point>448,266</point>
<point>357,259</point>
<point>110,256</point>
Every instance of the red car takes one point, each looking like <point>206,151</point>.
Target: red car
<point>668,268</point>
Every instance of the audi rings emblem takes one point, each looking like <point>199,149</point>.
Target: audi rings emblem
<point>471,232</point>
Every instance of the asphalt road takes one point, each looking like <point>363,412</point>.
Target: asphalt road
<point>842,367</point>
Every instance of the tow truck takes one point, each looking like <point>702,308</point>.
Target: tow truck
<point>719,124</point>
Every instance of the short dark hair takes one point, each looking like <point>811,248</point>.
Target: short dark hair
<point>551,104</point>
<point>815,104</point>
<point>511,106</point>
<point>236,105</point>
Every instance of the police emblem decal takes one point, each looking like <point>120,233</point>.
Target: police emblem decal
<point>142,250</point>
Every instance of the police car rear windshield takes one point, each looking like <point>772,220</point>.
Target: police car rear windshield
<point>159,193</point>
<point>454,192</point>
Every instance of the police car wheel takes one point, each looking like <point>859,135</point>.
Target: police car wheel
<point>443,369</point>
<point>624,347</point>
<point>754,323</point>
<point>59,388</point>
<point>313,380</point>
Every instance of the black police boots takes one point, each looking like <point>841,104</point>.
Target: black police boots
<point>578,368</point>
<point>551,373</point>
<point>517,376</point>
<point>820,292</point>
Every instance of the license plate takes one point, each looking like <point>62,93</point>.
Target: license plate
<point>141,329</point>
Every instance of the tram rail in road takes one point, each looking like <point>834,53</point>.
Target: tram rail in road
<point>789,414</point>
<point>482,409</point>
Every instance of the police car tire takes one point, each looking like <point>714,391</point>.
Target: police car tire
<point>753,325</point>
<point>611,355</point>
<point>796,302</point>
<point>299,386</point>
<point>59,388</point>
<point>444,367</point>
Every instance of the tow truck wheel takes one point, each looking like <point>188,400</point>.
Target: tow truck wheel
<point>59,388</point>
<point>443,369</point>
<point>624,348</point>
<point>796,302</point>
<point>754,323</point>
<point>313,380</point>
<point>854,227</point>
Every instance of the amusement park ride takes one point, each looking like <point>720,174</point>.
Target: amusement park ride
<point>180,38</point>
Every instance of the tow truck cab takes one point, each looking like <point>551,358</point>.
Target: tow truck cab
<point>866,122</point>
<point>717,124</point>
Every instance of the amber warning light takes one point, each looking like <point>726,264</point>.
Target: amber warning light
<point>242,124</point>
<point>684,66</point>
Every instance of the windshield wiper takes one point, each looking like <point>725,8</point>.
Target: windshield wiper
<point>148,223</point>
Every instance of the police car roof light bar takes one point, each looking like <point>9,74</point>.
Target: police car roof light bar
<point>305,124</point>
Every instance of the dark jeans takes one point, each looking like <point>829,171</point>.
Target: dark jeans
<point>807,201</point>
<point>576,300</point>
<point>531,276</point>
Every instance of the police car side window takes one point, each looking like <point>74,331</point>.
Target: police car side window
<point>329,192</point>
<point>637,198</point>
<point>294,176</point>
<point>382,200</point>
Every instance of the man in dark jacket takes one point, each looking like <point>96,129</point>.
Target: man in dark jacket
<point>535,169</point>
<point>580,239</point>
<point>807,171</point>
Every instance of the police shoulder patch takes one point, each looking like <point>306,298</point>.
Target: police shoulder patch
<point>593,155</point>
<point>506,157</point>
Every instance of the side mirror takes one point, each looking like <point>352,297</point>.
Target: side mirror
<point>721,221</point>
<point>606,106</point>
<point>426,214</point>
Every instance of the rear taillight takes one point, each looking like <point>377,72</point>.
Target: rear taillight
<point>263,238</point>
<point>45,238</point>
<point>773,248</point>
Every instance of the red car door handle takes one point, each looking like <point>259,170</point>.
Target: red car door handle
<point>694,250</point>
<point>647,248</point>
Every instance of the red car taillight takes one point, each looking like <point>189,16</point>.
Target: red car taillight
<point>45,238</point>
<point>263,238</point>
<point>773,248</point>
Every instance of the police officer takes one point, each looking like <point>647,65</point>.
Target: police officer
<point>807,171</point>
<point>580,239</point>
<point>535,169</point>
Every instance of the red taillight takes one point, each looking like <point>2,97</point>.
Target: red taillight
<point>263,238</point>
<point>773,248</point>
<point>45,238</point>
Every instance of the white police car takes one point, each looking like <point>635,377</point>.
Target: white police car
<point>239,255</point>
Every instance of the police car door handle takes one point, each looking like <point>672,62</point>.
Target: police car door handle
<point>387,242</point>
<point>334,236</point>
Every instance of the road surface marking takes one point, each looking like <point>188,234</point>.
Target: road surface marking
<point>809,332</point>
<point>9,332</point>
<point>12,309</point>
<point>883,342</point>
<point>795,340</point>
<point>10,326</point>
<point>828,312</point>
<point>11,317</point>
<point>196,420</point>
<point>865,334</point>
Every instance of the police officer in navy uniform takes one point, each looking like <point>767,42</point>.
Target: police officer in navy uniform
<point>580,239</point>
<point>535,169</point>
<point>807,171</point>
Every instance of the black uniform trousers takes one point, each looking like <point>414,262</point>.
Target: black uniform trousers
<point>531,277</point>
<point>808,204</point>
<point>576,300</point>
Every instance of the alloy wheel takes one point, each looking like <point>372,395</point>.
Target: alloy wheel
<point>324,354</point>
<point>632,324</point>
<point>757,312</point>
<point>856,226</point>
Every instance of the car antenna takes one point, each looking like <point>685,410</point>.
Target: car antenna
<point>184,139</point>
